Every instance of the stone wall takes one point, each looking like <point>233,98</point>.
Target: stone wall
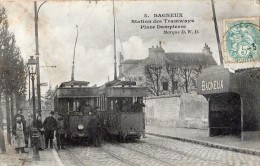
<point>187,111</point>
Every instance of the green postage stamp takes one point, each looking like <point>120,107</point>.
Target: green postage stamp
<point>241,40</point>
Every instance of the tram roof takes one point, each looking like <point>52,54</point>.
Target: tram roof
<point>118,88</point>
<point>75,89</point>
<point>73,83</point>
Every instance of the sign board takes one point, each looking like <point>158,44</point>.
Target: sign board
<point>77,92</point>
<point>214,80</point>
<point>127,92</point>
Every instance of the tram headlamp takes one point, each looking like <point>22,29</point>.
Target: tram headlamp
<point>80,127</point>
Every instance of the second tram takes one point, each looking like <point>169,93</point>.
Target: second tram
<point>121,104</point>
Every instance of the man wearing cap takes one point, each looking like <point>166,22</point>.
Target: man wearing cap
<point>50,125</point>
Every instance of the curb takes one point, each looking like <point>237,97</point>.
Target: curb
<point>57,157</point>
<point>210,144</point>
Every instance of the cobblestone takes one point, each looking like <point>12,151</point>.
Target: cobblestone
<point>157,151</point>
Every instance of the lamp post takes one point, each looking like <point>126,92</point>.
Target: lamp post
<point>36,11</point>
<point>32,65</point>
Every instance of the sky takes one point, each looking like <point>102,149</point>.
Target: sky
<point>94,51</point>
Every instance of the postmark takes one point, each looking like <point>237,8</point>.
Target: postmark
<point>241,40</point>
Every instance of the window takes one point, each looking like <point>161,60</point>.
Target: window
<point>165,85</point>
<point>174,85</point>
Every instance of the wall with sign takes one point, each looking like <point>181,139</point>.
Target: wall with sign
<point>187,111</point>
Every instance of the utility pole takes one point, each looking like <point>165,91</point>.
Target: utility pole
<point>115,71</point>
<point>36,11</point>
<point>217,34</point>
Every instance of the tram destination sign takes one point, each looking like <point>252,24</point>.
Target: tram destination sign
<point>127,92</point>
<point>77,92</point>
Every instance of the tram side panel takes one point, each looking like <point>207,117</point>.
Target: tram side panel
<point>131,124</point>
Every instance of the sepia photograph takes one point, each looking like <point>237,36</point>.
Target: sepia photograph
<point>129,82</point>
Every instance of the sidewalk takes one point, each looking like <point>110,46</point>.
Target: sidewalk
<point>48,157</point>
<point>201,137</point>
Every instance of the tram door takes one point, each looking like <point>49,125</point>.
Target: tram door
<point>225,114</point>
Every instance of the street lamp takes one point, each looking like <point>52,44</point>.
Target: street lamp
<point>36,11</point>
<point>32,65</point>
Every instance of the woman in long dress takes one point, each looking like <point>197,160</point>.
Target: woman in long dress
<point>40,129</point>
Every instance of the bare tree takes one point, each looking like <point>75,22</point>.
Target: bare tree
<point>188,77</point>
<point>153,74</point>
<point>172,72</point>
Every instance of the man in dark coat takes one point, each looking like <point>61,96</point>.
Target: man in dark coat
<point>138,106</point>
<point>95,130</point>
<point>50,125</point>
<point>60,132</point>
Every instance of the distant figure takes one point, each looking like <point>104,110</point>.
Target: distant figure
<point>40,129</point>
<point>50,125</point>
<point>18,131</point>
<point>117,106</point>
<point>20,114</point>
<point>87,108</point>
<point>125,107</point>
<point>60,132</point>
<point>28,131</point>
<point>138,106</point>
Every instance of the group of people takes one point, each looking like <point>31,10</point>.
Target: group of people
<point>124,106</point>
<point>23,130</point>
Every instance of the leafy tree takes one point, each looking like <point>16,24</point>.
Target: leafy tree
<point>49,99</point>
<point>12,72</point>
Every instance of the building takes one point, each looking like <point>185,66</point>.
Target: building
<point>166,72</point>
<point>233,101</point>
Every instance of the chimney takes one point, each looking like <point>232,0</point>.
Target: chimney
<point>157,53</point>
<point>206,50</point>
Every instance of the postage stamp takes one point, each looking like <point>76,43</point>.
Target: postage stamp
<point>257,2</point>
<point>241,40</point>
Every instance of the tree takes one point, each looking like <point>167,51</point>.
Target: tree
<point>172,72</point>
<point>12,73</point>
<point>188,77</point>
<point>154,76</point>
<point>49,99</point>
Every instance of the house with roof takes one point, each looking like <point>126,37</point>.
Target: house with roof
<point>166,73</point>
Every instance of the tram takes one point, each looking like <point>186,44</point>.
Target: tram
<point>76,102</point>
<point>118,114</point>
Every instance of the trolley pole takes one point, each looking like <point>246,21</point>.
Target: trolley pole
<point>217,34</point>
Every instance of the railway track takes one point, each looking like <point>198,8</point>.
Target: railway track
<point>149,156</point>
<point>75,157</point>
<point>118,157</point>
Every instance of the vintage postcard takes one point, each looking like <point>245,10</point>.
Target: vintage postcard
<point>129,82</point>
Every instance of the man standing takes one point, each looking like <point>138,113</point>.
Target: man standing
<point>28,131</point>
<point>138,106</point>
<point>60,132</point>
<point>50,125</point>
